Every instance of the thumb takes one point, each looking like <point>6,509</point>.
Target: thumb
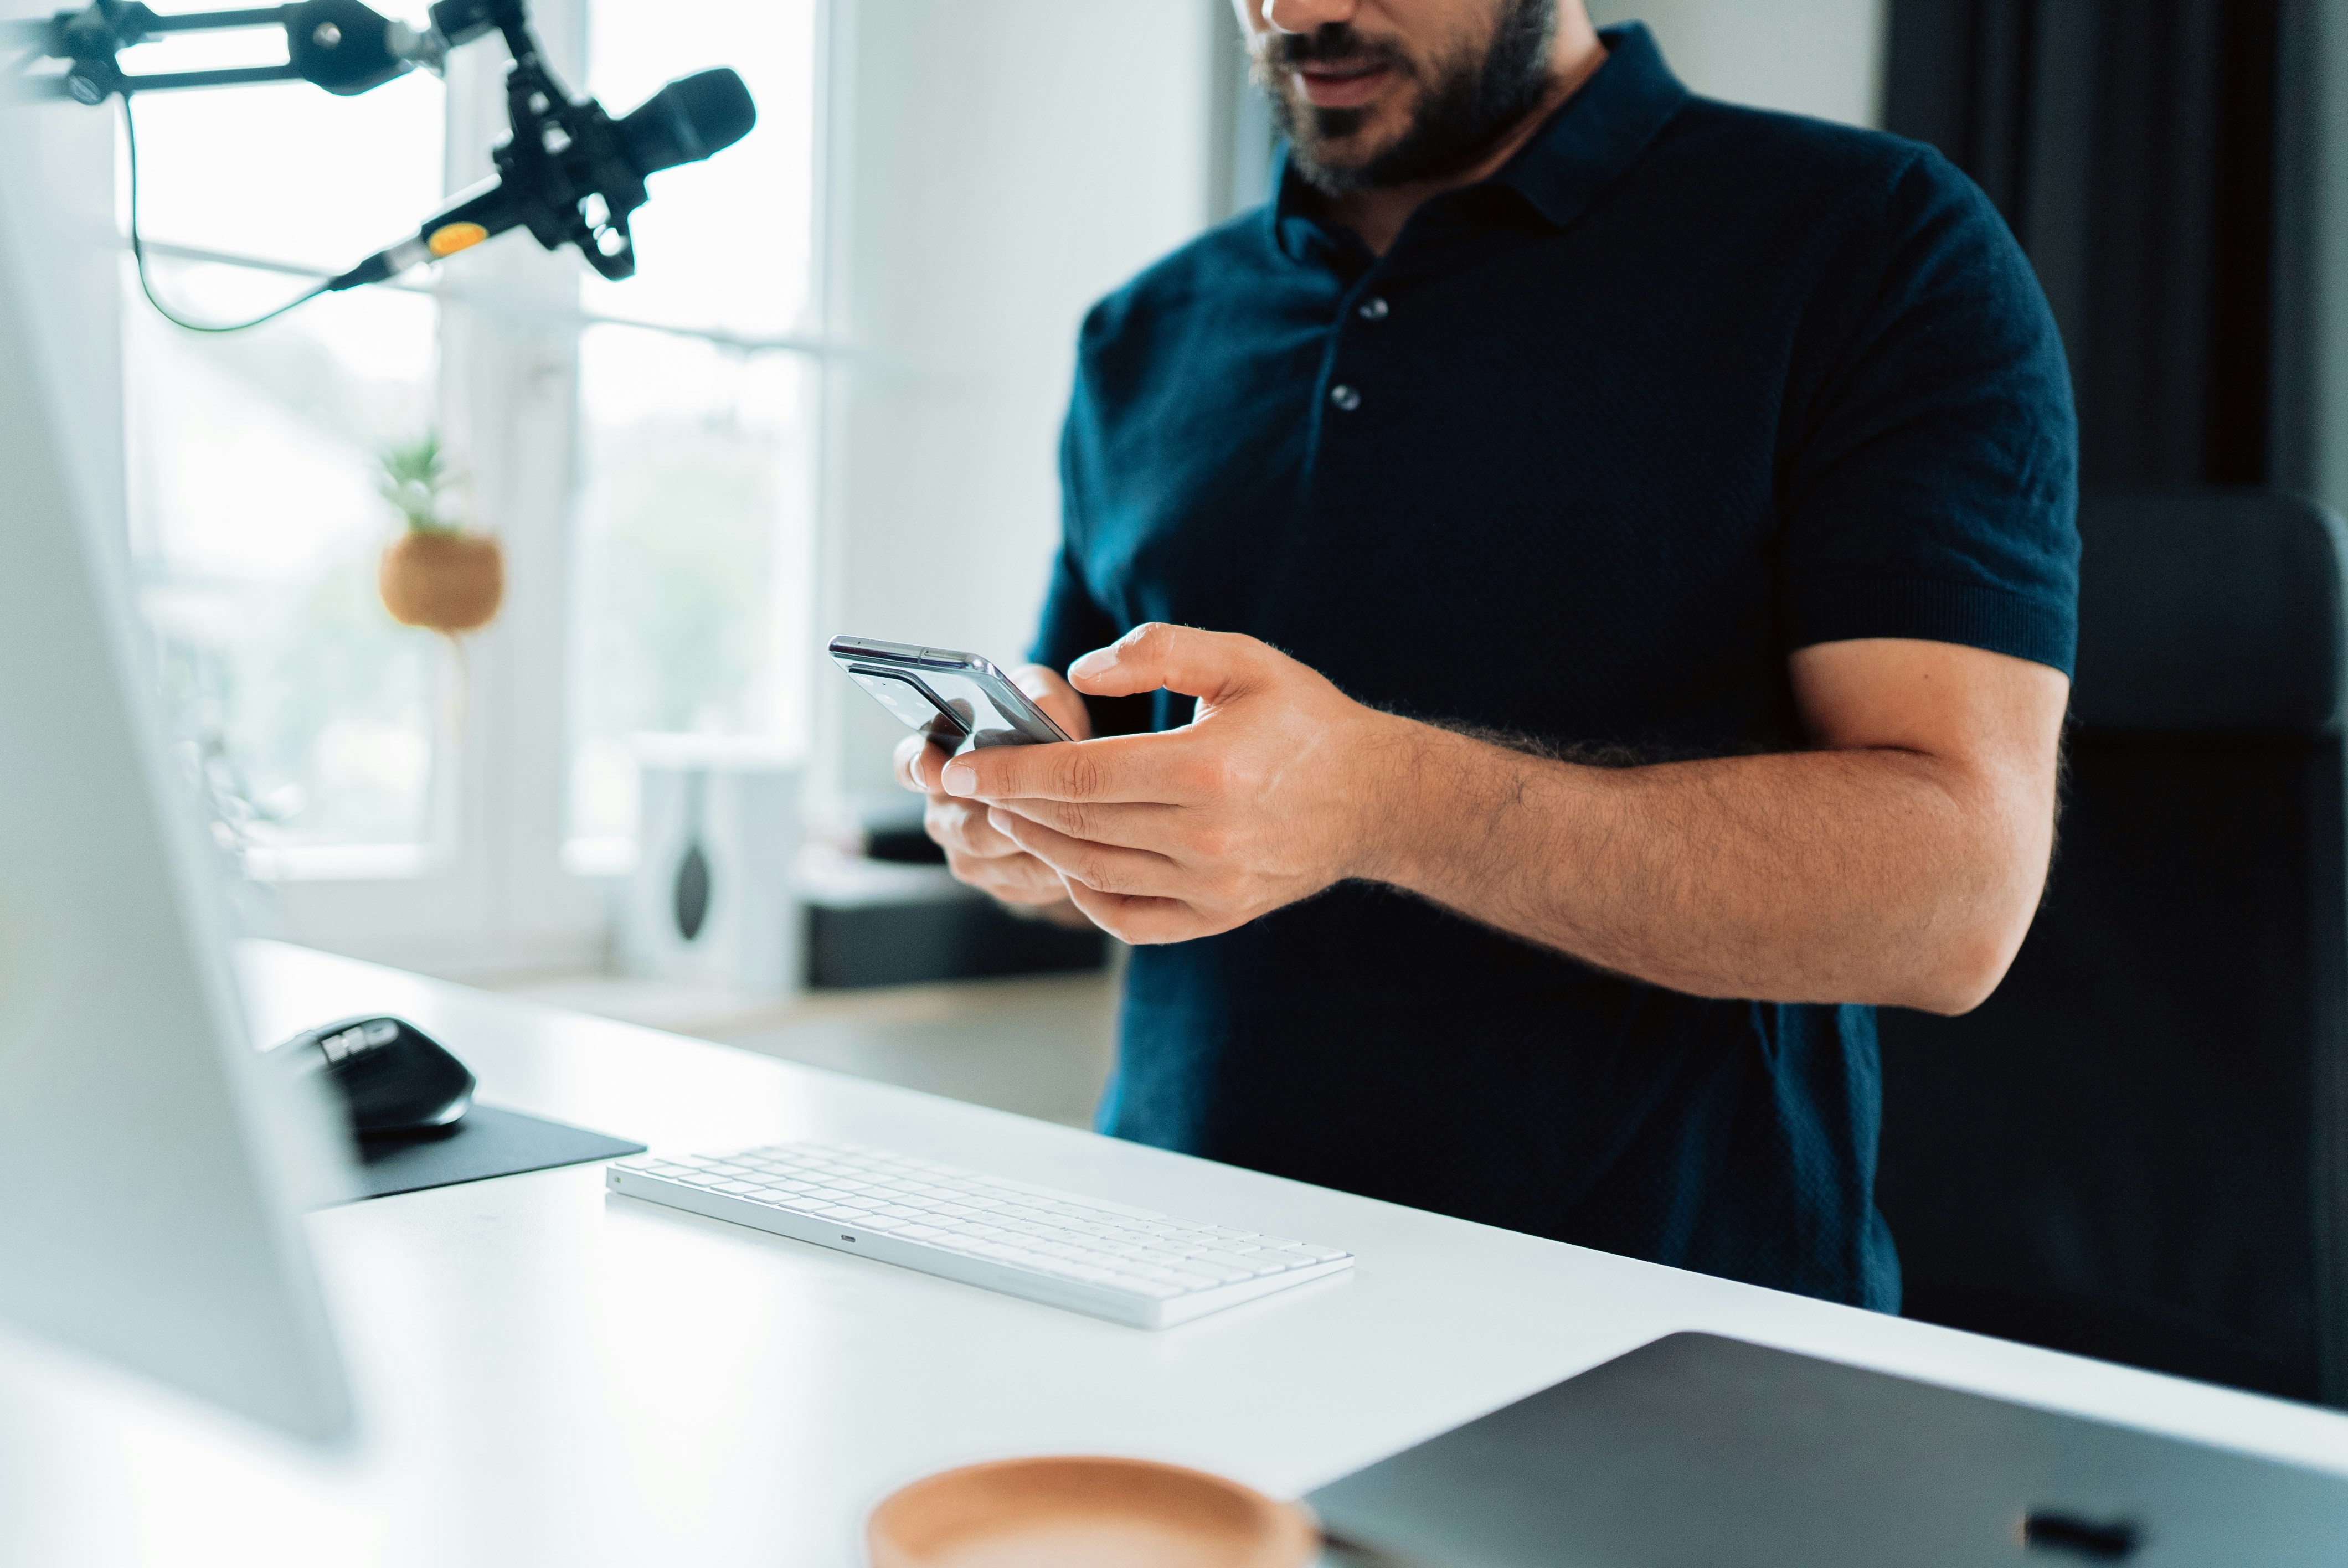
<point>1056,698</point>
<point>1215,666</point>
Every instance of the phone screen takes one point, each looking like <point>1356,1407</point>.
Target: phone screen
<point>957,700</point>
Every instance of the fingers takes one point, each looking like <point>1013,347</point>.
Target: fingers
<point>1142,768</point>
<point>1014,879</point>
<point>1058,700</point>
<point>917,761</point>
<point>1141,921</point>
<point>1158,828</point>
<point>979,855</point>
<point>961,828</point>
<point>1104,867</point>
<point>1214,665</point>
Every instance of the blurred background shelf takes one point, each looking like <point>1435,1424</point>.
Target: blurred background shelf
<point>1040,1045</point>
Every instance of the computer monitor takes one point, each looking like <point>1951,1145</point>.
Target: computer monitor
<point>151,1164</point>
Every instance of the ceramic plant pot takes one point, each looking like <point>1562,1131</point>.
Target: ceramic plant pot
<point>449,583</point>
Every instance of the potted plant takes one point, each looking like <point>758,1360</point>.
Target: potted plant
<point>437,574</point>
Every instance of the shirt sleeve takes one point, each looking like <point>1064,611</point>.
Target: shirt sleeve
<point>1073,622</point>
<point>1932,491</point>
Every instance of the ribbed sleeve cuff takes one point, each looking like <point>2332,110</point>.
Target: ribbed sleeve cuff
<point>2042,630</point>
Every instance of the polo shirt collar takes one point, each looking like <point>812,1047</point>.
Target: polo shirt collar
<point>1593,135</point>
<point>1597,133</point>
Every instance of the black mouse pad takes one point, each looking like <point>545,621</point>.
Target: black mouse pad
<point>487,1143</point>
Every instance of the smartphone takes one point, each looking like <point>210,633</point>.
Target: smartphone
<point>959,701</point>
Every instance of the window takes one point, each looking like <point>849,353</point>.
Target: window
<point>692,546</point>
<point>253,512</point>
<point>256,530</point>
<point>644,451</point>
<point>693,552</point>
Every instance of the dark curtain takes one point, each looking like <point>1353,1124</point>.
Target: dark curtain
<point>2140,150</point>
<point>2054,1169</point>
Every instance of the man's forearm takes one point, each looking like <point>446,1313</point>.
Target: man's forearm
<point>1861,875</point>
<point>1900,862</point>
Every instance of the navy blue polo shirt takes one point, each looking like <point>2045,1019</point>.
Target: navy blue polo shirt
<point>1595,446</point>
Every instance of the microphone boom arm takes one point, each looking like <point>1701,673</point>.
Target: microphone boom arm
<point>341,45</point>
<point>569,173</point>
<point>568,153</point>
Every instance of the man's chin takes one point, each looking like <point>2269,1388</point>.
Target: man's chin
<point>1336,149</point>
<point>1336,169</point>
<point>1349,150</point>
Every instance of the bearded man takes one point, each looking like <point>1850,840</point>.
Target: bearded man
<point>1621,548</point>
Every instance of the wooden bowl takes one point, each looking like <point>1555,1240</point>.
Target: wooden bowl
<point>1085,1513</point>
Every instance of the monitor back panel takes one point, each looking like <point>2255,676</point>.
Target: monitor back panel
<point>152,1170</point>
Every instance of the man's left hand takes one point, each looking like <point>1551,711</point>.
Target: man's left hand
<point>1267,796</point>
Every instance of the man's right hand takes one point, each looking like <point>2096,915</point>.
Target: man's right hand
<point>976,853</point>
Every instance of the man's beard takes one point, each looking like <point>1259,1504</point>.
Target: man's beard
<point>1467,104</point>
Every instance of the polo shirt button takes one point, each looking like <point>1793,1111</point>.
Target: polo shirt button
<point>1374,308</point>
<point>1344,398</point>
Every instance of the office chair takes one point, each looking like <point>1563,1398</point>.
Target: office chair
<point>2137,1148</point>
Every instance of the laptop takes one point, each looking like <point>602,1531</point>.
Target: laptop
<point>1700,1451</point>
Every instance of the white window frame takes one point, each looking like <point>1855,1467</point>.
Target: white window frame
<point>500,889</point>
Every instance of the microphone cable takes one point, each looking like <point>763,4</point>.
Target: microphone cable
<point>138,253</point>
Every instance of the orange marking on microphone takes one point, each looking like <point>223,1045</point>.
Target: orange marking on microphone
<point>451,238</point>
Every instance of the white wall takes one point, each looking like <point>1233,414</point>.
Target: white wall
<point>1822,57</point>
<point>994,168</point>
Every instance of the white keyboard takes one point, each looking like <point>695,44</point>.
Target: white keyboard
<point>1130,1266</point>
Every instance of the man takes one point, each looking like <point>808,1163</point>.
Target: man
<point>1620,547</point>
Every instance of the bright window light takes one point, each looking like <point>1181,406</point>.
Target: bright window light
<point>724,244</point>
<point>254,517</point>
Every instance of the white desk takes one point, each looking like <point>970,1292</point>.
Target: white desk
<point>548,1375</point>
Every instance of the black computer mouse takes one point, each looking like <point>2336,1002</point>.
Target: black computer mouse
<point>395,1080</point>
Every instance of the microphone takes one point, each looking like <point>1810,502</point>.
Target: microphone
<point>571,174</point>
